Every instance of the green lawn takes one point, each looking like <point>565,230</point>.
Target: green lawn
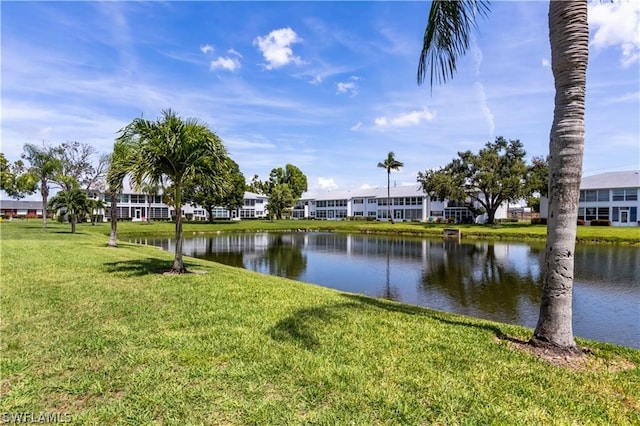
<point>98,333</point>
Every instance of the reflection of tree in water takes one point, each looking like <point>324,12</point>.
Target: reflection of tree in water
<point>472,276</point>
<point>228,257</point>
<point>390,292</point>
<point>283,257</point>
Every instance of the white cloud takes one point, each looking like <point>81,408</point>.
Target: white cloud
<point>230,64</point>
<point>356,126</point>
<point>484,107</point>
<point>276,47</point>
<point>206,48</point>
<point>365,186</point>
<point>545,63</point>
<point>412,118</point>
<point>350,87</point>
<point>617,24</point>
<point>234,52</point>
<point>328,183</point>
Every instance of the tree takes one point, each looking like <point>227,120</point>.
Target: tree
<point>14,179</point>
<point>120,163</point>
<point>44,168</point>
<point>286,185</point>
<point>73,202</point>
<point>94,206</point>
<point>76,161</point>
<point>149,190</point>
<point>492,177</point>
<point>176,150</point>
<point>446,38</point>
<point>280,199</point>
<point>390,164</point>
<point>537,182</point>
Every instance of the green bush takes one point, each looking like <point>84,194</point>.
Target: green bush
<point>580,222</point>
<point>600,222</point>
<point>538,220</point>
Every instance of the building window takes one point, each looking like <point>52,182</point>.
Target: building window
<point>321,204</point>
<point>358,201</point>
<point>603,213</point>
<point>623,194</point>
<point>590,213</point>
<point>359,213</point>
<point>603,195</point>
<point>371,201</point>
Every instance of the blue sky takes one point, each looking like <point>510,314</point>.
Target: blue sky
<point>327,86</point>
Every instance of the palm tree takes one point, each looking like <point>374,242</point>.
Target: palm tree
<point>95,205</point>
<point>73,202</point>
<point>150,190</point>
<point>45,166</point>
<point>120,162</point>
<point>173,149</point>
<point>390,164</point>
<point>445,39</point>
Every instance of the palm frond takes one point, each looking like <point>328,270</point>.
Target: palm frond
<point>446,36</point>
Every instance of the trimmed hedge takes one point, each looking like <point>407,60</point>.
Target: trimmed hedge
<point>538,220</point>
<point>600,222</point>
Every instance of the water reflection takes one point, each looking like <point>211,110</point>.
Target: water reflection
<point>493,280</point>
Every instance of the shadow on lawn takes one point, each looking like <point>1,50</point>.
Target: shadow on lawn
<point>418,310</point>
<point>300,327</point>
<point>140,267</point>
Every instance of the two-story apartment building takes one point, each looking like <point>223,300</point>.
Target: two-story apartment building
<point>408,203</point>
<point>613,196</point>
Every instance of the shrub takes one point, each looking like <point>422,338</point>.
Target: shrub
<point>580,222</point>
<point>600,222</point>
<point>538,220</point>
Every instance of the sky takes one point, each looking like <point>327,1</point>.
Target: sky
<point>329,87</point>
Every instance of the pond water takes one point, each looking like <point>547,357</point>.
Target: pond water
<point>500,281</point>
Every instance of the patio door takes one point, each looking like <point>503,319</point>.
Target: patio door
<point>624,215</point>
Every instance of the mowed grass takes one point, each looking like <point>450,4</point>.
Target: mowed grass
<point>100,334</point>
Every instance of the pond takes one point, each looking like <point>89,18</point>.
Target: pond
<point>500,281</point>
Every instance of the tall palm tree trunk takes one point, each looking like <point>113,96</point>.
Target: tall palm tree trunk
<point>178,264</point>
<point>569,38</point>
<point>389,194</point>
<point>44,190</point>
<point>113,238</point>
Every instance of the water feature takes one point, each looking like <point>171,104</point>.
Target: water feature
<point>500,281</point>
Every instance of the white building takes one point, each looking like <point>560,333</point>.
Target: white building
<point>137,206</point>
<point>611,196</point>
<point>408,203</point>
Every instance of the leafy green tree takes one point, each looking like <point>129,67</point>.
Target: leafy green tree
<point>446,38</point>
<point>537,182</point>
<point>492,177</point>
<point>390,164</point>
<point>14,179</point>
<point>73,202</point>
<point>292,176</point>
<point>224,190</point>
<point>281,183</point>
<point>44,167</point>
<point>176,150</point>
<point>281,198</point>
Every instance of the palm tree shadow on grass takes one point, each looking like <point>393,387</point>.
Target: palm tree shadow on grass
<point>417,310</point>
<point>301,327</point>
<point>140,267</point>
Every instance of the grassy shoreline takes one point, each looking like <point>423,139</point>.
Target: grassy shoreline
<point>507,231</point>
<point>100,334</point>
